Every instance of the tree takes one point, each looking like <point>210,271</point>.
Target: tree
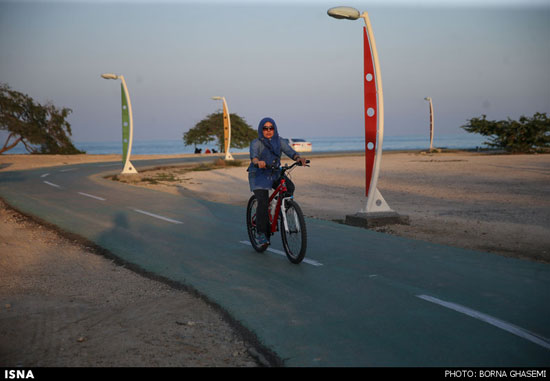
<point>41,128</point>
<point>210,129</point>
<point>525,135</point>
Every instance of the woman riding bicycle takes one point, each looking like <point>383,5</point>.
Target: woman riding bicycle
<point>265,156</point>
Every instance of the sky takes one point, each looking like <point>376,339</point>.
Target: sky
<point>285,59</point>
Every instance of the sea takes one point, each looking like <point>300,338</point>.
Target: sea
<point>319,144</point>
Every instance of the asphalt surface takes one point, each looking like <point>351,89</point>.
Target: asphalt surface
<point>360,298</point>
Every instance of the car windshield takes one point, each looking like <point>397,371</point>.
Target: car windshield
<point>298,140</point>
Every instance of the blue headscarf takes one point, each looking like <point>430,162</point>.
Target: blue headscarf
<point>263,178</point>
<point>273,144</point>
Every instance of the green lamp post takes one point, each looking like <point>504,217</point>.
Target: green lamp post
<point>127,124</point>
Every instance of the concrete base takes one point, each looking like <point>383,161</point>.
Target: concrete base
<point>374,219</point>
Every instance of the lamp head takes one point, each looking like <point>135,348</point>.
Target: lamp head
<point>109,76</point>
<point>427,99</point>
<point>217,98</point>
<point>347,13</point>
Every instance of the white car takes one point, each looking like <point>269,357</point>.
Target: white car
<point>299,145</point>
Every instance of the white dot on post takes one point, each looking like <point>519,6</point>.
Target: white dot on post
<point>368,77</point>
<point>370,146</point>
<point>370,111</point>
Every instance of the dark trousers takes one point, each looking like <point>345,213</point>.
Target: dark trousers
<point>262,195</point>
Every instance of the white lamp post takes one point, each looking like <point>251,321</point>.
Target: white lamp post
<point>374,110</point>
<point>127,124</point>
<point>226,128</point>
<point>429,99</point>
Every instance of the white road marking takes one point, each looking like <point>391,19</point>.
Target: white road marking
<point>91,196</point>
<point>68,170</point>
<point>52,184</point>
<point>279,252</point>
<point>513,329</point>
<point>45,174</point>
<point>157,216</point>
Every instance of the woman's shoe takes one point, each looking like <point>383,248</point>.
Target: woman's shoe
<point>262,239</point>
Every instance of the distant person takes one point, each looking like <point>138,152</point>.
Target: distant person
<point>266,151</point>
<point>198,150</point>
<point>207,151</point>
<point>214,151</point>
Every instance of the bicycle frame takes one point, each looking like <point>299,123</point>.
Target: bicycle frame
<point>275,217</point>
<point>281,188</point>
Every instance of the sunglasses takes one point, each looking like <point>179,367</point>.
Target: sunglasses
<point>269,128</point>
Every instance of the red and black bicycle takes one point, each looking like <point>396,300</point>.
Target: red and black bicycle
<point>285,215</point>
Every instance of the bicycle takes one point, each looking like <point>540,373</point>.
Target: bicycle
<point>285,215</point>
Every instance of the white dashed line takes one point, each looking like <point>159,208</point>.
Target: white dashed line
<point>44,175</point>
<point>91,196</point>
<point>513,329</point>
<point>157,216</point>
<point>52,184</point>
<point>279,252</point>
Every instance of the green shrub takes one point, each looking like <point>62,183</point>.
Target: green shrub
<point>526,135</point>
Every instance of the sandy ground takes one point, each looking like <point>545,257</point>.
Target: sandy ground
<point>61,304</point>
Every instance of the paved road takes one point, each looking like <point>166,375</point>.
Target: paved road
<point>361,299</point>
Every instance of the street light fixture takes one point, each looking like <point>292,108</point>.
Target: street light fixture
<point>127,124</point>
<point>374,110</point>
<point>226,128</point>
<point>429,99</point>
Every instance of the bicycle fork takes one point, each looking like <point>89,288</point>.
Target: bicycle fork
<point>285,222</point>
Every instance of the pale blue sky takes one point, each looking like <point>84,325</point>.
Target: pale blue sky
<point>287,60</point>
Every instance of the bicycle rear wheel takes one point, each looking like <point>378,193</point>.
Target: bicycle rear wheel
<point>251,224</point>
<point>295,238</point>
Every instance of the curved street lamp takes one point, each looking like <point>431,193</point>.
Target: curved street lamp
<point>226,128</point>
<point>374,109</point>
<point>127,124</point>
<point>429,99</point>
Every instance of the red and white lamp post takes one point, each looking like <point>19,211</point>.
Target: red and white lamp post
<point>373,110</point>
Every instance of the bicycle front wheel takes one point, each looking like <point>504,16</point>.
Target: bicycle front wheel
<point>294,234</point>
<point>251,224</point>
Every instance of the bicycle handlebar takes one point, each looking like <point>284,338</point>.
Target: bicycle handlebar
<point>286,167</point>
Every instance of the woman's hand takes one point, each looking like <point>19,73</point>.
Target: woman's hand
<point>259,163</point>
<point>301,160</point>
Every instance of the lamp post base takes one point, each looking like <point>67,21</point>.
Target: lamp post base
<point>376,213</point>
<point>374,219</point>
<point>228,156</point>
<point>128,168</point>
